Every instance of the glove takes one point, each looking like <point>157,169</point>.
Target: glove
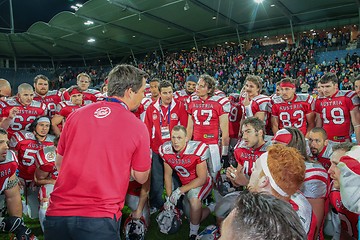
<point>175,195</point>
<point>168,205</point>
<point>225,161</point>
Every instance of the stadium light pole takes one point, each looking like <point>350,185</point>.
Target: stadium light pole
<point>11,17</point>
<point>132,53</point>
<point>238,36</point>
<point>161,49</point>
<point>197,49</point>
<point>292,31</point>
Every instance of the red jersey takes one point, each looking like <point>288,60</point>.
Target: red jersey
<point>348,219</point>
<point>141,110</point>
<point>259,103</point>
<point>219,93</point>
<point>304,210</point>
<point>235,115</point>
<point>160,121</point>
<point>91,95</point>
<point>65,108</point>
<point>324,156</point>
<point>45,160</point>
<point>293,113</point>
<point>335,114</point>
<point>25,116</point>
<point>27,146</point>
<point>246,157</point>
<point>51,100</point>
<point>7,169</point>
<point>185,162</point>
<point>316,181</point>
<point>181,96</point>
<point>206,117</point>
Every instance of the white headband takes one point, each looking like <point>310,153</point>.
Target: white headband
<point>263,160</point>
<point>44,119</point>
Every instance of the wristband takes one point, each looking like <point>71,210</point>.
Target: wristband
<point>224,150</point>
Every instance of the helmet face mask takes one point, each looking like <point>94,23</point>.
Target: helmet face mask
<point>169,221</point>
<point>134,229</point>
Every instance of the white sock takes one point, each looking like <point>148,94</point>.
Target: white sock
<point>194,229</point>
<point>42,212</point>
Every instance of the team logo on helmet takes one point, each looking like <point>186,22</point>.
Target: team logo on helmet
<point>102,112</point>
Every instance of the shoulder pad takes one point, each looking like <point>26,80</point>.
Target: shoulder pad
<point>167,148</point>
<point>49,153</point>
<point>2,104</point>
<point>92,91</point>
<point>342,93</point>
<point>27,135</point>
<point>12,102</point>
<point>328,151</point>
<point>302,97</point>
<point>50,138</point>
<point>10,157</point>
<point>265,146</point>
<point>35,104</point>
<point>191,147</point>
<point>277,99</point>
<point>240,144</point>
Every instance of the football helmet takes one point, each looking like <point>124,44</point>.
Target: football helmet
<point>211,232</point>
<point>223,185</point>
<point>134,229</point>
<point>169,221</point>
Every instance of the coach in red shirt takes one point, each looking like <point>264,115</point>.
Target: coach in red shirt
<point>101,146</point>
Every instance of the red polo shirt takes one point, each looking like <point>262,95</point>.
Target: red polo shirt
<point>100,143</point>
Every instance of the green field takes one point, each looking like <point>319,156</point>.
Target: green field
<point>152,234</point>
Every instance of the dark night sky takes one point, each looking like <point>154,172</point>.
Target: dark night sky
<point>27,12</point>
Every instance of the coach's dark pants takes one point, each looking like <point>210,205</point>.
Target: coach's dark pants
<point>157,181</point>
<point>81,228</point>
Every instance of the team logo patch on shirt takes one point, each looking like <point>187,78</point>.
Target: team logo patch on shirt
<point>154,116</point>
<point>174,116</point>
<point>102,112</point>
<point>50,156</point>
<point>209,136</point>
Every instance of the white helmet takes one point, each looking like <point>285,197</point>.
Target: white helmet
<point>134,229</point>
<point>211,232</point>
<point>169,221</point>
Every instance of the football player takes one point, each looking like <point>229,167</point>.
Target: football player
<point>188,159</point>
<point>45,176</point>
<point>20,112</point>
<point>320,146</point>
<point>10,188</point>
<point>291,109</point>
<point>66,107</point>
<point>247,151</point>
<point>190,86</point>
<point>83,82</point>
<point>26,144</point>
<point>337,110</point>
<point>42,94</point>
<point>349,220</point>
<point>208,114</point>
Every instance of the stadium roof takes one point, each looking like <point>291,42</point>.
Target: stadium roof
<point>119,27</point>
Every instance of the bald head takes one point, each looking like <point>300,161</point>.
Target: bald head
<point>5,88</point>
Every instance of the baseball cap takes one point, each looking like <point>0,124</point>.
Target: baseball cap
<point>192,78</point>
